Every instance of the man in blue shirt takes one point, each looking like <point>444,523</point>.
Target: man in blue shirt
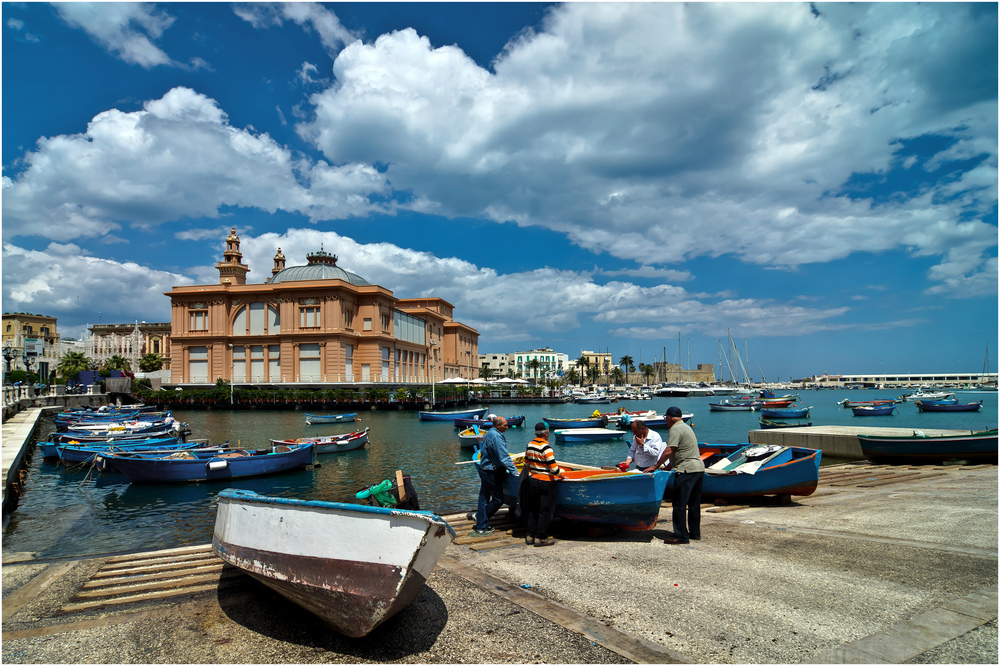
<point>494,465</point>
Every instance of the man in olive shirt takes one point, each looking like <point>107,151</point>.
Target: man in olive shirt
<point>689,472</point>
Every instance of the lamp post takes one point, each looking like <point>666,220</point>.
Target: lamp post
<point>433,398</point>
<point>28,360</point>
<point>232,380</point>
<point>8,355</point>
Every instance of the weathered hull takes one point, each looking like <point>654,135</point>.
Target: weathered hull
<point>931,407</point>
<point>629,501</point>
<point>451,416</point>
<point>784,413</point>
<point>170,470</point>
<point>874,411</point>
<point>795,472</point>
<point>353,566</point>
<point>571,435</point>
<point>86,453</point>
<point>574,423</point>
<point>979,446</point>
<point>315,419</point>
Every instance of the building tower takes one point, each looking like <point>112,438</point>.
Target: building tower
<point>279,263</point>
<point>232,270</point>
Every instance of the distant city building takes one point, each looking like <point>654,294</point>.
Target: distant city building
<point>550,363</point>
<point>130,341</point>
<point>500,364</point>
<point>312,324</point>
<point>33,336</point>
<point>942,379</point>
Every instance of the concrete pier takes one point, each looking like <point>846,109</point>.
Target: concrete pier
<point>882,564</point>
<point>835,441</point>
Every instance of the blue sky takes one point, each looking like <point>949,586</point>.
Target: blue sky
<point>820,181</point>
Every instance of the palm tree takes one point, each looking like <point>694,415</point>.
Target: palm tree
<point>150,362</point>
<point>647,371</point>
<point>627,364</point>
<point>117,362</point>
<point>486,372</point>
<point>584,363</point>
<point>71,364</point>
<point>572,376</point>
<point>617,376</point>
<point>534,364</point>
<point>594,373</point>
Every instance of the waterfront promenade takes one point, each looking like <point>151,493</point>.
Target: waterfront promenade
<point>892,565</point>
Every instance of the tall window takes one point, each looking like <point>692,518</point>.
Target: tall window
<point>198,365</point>
<point>274,363</point>
<point>309,362</point>
<point>239,363</point>
<point>257,318</point>
<point>348,318</point>
<point>385,323</point>
<point>367,324</point>
<point>348,363</point>
<point>385,363</point>
<point>309,317</point>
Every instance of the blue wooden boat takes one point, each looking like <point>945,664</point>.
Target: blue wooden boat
<point>780,470</point>
<point>85,452</point>
<point>626,500</point>
<point>795,413</point>
<point>182,467</point>
<point>571,435</point>
<point>927,406</point>
<point>766,424</point>
<point>874,410</point>
<point>655,424</point>
<point>755,470</point>
<point>314,419</point>
<point>486,424</point>
<point>353,566</point>
<point>451,416</point>
<point>554,423</point>
<point>978,446</point>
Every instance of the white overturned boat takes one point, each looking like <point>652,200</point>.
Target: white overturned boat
<point>354,566</point>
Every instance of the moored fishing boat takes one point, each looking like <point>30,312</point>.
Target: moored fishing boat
<point>792,413</point>
<point>873,410</point>
<point>626,500</point>
<point>348,441</point>
<point>352,566</point>
<point>76,453</point>
<point>767,424</point>
<point>849,404</point>
<point>183,466</point>
<point>956,407</point>
<point>974,446</point>
<point>315,419</point>
<point>471,437</point>
<point>451,416</point>
<point>754,470</point>
<point>588,435</point>
<point>926,395</point>
<point>486,424</point>
<point>589,422</point>
<point>727,406</point>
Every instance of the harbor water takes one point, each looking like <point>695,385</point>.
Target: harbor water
<point>76,511</point>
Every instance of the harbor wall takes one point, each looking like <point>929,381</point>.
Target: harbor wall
<point>834,441</point>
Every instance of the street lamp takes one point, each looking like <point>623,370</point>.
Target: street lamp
<point>433,398</point>
<point>8,355</point>
<point>232,366</point>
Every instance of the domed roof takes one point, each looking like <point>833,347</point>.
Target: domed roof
<point>322,266</point>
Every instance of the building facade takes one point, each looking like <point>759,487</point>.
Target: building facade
<point>31,342</point>
<point>130,341</point>
<point>551,364</point>
<point>312,324</point>
<point>942,379</point>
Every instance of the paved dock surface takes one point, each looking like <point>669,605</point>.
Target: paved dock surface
<point>883,564</point>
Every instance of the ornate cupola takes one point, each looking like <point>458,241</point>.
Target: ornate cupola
<point>231,270</point>
<point>322,257</point>
<point>279,263</point>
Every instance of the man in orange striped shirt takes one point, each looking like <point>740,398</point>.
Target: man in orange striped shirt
<point>543,472</point>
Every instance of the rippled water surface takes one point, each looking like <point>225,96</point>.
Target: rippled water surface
<point>76,512</point>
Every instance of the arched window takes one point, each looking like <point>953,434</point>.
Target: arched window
<point>257,318</point>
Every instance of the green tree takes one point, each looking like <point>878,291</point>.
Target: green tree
<point>150,362</point>
<point>533,365</point>
<point>647,371</point>
<point>117,362</point>
<point>572,376</point>
<point>71,364</point>
<point>617,376</point>
<point>626,363</point>
<point>594,373</point>
<point>584,364</point>
<point>486,372</point>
